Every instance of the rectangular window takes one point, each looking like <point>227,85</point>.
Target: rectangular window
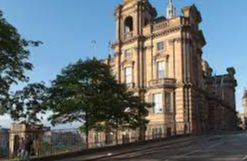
<point>168,102</point>
<point>127,53</point>
<point>161,67</point>
<point>128,75</point>
<point>158,103</point>
<point>114,71</point>
<point>160,46</point>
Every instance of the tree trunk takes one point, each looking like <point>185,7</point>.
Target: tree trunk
<point>87,130</point>
<point>87,141</point>
<point>116,137</point>
<point>107,134</point>
<point>142,131</point>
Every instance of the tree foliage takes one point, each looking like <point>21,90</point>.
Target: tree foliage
<point>87,92</point>
<point>14,59</point>
<point>126,111</point>
<point>76,94</point>
<point>27,105</point>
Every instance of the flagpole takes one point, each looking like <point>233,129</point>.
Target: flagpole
<point>94,44</point>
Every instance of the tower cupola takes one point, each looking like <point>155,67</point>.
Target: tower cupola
<point>171,10</point>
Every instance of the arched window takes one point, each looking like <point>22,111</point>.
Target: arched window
<point>128,24</point>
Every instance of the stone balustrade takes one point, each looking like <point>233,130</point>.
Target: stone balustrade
<point>166,82</point>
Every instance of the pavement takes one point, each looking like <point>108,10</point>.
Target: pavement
<point>224,147</point>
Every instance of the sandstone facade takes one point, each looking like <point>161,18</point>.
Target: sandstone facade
<point>160,59</point>
<point>243,116</point>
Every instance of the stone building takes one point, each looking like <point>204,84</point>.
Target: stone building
<point>160,59</point>
<point>244,99</point>
<point>243,116</point>
<point>20,131</point>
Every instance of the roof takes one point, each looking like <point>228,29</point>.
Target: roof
<point>159,19</point>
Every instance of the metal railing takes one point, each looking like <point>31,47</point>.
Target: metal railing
<point>55,142</point>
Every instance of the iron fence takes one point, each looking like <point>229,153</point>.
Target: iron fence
<point>54,142</point>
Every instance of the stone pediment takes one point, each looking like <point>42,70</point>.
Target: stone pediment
<point>161,56</point>
<point>127,62</point>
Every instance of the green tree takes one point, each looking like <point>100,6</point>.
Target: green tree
<point>14,56</point>
<point>138,113</point>
<point>87,92</point>
<point>126,111</point>
<point>27,105</point>
<point>77,94</point>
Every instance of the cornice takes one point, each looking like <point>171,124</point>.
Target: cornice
<point>127,62</point>
<point>167,31</point>
<point>153,35</point>
<point>161,56</point>
<point>130,40</point>
<point>197,34</point>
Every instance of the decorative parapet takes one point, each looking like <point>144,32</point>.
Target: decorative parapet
<point>164,24</point>
<point>161,26</point>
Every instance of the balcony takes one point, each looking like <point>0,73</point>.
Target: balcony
<point>166,82</point>
<point>128,35</point>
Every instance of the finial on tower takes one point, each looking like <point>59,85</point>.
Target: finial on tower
<point>171,10</point>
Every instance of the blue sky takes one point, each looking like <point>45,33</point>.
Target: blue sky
<point>68,27</point>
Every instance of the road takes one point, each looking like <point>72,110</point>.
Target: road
<point>231,147</point>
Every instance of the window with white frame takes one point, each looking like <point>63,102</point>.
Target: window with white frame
<point>158,103</point>
<point>128,75</point>
<point>169,102</point>
<point>161,69</point>
<point>127,53</point>
<point>160,46</point>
